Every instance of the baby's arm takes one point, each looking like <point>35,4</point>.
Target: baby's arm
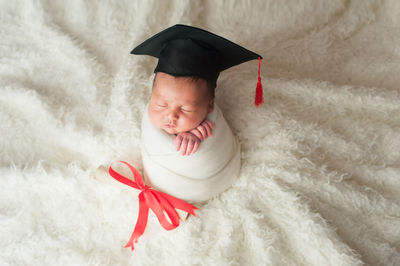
<point>204,130</point>
<point>188,142</point>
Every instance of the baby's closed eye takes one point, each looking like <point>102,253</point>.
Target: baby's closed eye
<point>188,109</point>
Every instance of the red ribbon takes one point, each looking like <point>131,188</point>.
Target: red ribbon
<point>158,201</point>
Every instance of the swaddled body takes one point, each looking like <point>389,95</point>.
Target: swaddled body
<point>178,108</point>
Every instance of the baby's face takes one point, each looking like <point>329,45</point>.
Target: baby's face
<point>179,104</point>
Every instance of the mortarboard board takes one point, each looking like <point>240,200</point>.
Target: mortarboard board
<point>188,51</point>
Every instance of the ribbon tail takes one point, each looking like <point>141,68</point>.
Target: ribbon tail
<point>141,222</point>
<point>159,205</point>
<point>179,204</point>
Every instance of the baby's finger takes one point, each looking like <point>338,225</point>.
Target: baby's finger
<point>184,146</point>
<point>178,142</point>
<point>209,123</point>
<point>203,132</point>
<point>197,133</point>
<point>195,147</point>
<point>189,147</point>
<point>208,129</point>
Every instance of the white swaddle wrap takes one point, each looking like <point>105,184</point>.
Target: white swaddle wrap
<point>197,177</point>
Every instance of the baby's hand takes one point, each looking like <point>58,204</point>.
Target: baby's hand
<point>204,130</point>
<point>187,143</point>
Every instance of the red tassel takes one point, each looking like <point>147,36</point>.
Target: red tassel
<point>259,99</point>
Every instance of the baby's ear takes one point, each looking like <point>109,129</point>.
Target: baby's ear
<point>211,106</point>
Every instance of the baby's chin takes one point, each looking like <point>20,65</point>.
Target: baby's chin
<point>174,130</point>
<point>171,130</point>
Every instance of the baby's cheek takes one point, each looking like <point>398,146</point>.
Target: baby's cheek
<point>155,118</point>
<point>193,121</point>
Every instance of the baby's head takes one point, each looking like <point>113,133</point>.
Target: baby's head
<point>179,104</point>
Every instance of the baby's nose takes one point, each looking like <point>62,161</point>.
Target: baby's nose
<point>172,115</point>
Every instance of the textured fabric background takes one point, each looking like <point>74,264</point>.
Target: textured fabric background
<point>320,159</point>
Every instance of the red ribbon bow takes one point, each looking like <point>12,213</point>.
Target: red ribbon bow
<point>158,201</point>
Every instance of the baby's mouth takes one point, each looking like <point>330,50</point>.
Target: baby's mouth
<point>171,126</point>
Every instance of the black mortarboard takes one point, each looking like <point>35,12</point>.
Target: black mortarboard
<point>188,51</point>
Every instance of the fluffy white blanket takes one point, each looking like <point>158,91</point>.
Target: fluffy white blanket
<point>320,176</point>
<point>196,178</point>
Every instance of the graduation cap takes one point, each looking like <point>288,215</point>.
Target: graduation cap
<point>188,51</point>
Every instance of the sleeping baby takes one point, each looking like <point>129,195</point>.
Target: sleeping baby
<point>188,149</point>
<point>183,154</point>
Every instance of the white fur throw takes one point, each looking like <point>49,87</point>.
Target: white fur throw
<point>320,160</point>
<point>198,177</point>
